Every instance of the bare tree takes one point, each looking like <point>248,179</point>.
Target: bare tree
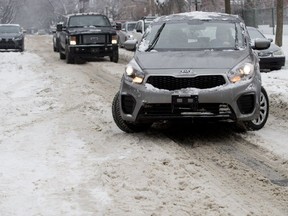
<point>172,6</point>
<point>8,9</point>
<point>279,27</point>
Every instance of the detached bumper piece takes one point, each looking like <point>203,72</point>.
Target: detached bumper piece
<point>196,110</point>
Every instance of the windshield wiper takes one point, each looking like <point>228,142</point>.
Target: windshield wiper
<point>156,38</point>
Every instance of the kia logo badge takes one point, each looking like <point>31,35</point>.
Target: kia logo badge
<point>186,71</point>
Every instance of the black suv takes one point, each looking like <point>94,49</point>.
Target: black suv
<point>85,36</point>
<point>11,37</point>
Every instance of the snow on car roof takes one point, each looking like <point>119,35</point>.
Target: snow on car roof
<point>17,25</point>
<point>198,15</point>
<point>83,14</point>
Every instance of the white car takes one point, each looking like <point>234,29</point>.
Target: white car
<point>134,37</point>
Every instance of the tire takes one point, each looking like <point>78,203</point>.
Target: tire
<point>69,58</point>
<point>259,122</point>
<point>55,49</point>
<point>62,56</point>
<point>115,57</point>
<point>122,124</point>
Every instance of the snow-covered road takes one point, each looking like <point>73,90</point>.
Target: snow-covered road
<point>62,154</point>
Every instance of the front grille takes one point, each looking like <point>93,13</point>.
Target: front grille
<point>246,103</point>
<point>7,44</point>
<point>174,83</point>
<point>94,39</point>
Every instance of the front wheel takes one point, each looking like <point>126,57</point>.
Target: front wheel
<point>125,126</point>
<point>260,121</point>
<point>69,58</point>
<point>62,56</point>
<point>114,57</point>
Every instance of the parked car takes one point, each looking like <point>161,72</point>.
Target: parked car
<point>41,32</point>
<point>84,36</point>
<point>184,69</point>
<point>56,37</point>
<point>11,37</point>
<point>272,58</point>
<point>125,32</point>
<point>135,36</point>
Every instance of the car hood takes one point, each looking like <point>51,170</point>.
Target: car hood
<point>190,59</point>
<point>92,30</point>
<point>9,35</point>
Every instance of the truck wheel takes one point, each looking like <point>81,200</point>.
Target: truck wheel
<point>260,121</point>
<point>62,56</point>
<point>69,58</point>
<point>122,124</point>
<point>114,57</point>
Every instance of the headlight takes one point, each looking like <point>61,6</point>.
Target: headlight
<point>114,39</point>
<point>134,75</point>
<point>278,53</point>
<point>73,40</point>
<point>242,71</point>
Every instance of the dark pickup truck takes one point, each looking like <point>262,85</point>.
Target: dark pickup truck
<point>87,35</point>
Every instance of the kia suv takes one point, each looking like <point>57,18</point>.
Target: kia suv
<point>191,66</point>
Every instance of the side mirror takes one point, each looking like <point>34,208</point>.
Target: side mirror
<point>118,26</point>
<point>139,30</point>
<point>260,44</point>
<point>59,27</point>
<point>270,39</point>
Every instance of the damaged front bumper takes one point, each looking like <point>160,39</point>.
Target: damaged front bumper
<point>144,103</point>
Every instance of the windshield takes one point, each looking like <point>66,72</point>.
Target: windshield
<point>254,33</point>
<point>9,29</point>
<point>195,35</point>
<point>91,20</point>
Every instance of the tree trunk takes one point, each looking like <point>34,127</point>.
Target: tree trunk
<point>279,27</point>
<point>227,7</point>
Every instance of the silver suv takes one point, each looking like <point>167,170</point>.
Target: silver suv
<point>193,65</point>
